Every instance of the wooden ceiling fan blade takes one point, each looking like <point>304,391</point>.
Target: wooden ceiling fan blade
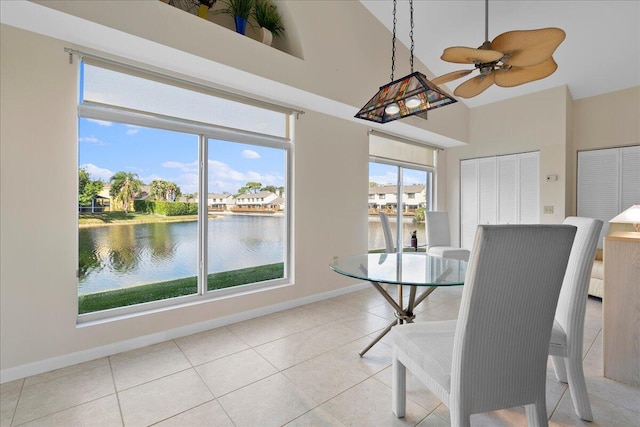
<point>528,47</point>
<point>469,55</point>
<point>474,86</point>
<point>519,75</point>
<point>454,75</point>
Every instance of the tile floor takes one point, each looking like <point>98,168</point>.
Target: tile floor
<point>299,367</point>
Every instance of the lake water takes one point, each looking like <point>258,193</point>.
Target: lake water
<point>119,256</point>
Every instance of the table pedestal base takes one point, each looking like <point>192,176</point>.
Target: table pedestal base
<point>402,314</point>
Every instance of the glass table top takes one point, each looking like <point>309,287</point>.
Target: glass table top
<point>403,268</point>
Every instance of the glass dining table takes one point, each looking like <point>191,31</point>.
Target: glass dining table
<point>412,269</point>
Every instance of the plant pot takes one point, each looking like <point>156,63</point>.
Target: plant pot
<point>203,11</point>
<point>266,36</point>
<point>241,24</point>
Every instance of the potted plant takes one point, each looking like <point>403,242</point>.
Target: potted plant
<point>267,17</point>
<point>204,6</point>
<point>240,10</point>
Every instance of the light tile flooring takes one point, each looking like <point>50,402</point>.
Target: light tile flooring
<point>299,367</point>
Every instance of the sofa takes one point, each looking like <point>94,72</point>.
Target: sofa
<point>596,283</point>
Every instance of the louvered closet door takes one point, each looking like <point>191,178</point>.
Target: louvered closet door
<point>598,186</point>
<point>630,177</point>
<point>487,190</point>
<point>529,188</point>
<point>468,202</point>
<point>508,189</point>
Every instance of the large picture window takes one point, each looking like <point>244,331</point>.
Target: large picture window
<point>174,205</point>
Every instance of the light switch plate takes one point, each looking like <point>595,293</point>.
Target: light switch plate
<point>548,209</point>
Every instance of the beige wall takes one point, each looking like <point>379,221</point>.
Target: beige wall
<point>528,123</point>
<point>604,121</point>
<point>346,69</point>
<point>38,291</point>
<point>38,243</point>
<point>552,122</point>
<point>38,143</point>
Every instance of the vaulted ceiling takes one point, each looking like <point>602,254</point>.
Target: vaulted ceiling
<point>601,52</point>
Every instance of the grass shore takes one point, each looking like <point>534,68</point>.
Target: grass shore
<point>119,218</point>
<point>99,301</point>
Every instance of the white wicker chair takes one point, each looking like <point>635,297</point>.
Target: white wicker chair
<point>565,347</point>
<point>495,355</point>
<point>439,238</point>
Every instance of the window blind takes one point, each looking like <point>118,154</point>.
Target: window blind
<point>391,148</point>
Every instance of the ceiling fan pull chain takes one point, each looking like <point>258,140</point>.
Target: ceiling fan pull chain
<point>393,41</point>
<point>411,32</point>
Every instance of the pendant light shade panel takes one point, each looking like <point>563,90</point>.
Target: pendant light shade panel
<point>410,95</point>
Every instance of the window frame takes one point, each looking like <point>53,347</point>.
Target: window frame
<point>430,171</point>
<point>204,132</point>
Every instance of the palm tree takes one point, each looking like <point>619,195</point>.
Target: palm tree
<point>124,186</point>
<point>165,190</point>
<point>159,189</point>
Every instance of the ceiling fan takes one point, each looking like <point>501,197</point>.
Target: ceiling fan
<point>511,59</point>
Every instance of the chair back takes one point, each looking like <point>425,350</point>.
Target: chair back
<point>386,230</point>
<point>506,314</point>
<point>437,225</point>
<point>575,287</point>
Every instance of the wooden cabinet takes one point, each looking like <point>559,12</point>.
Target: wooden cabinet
<point>621,307</point>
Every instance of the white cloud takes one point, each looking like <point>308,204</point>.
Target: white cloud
<point>224,178</point>
<point>132,129</point>
<point>387,179</point>
<point>188,183</point>
<point>96,172</point>
<point>91,140</point>
<point>184,167</point>
<point>222,170</point>
<point>100,122</point>
<point>250,154</point>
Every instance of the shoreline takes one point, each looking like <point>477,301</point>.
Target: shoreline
<point>186,218</point>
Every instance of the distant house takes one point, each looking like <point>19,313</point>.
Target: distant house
<point>220,202</point>
<point>109,202</point>
<point>263,200</point>
<point>385,197</point>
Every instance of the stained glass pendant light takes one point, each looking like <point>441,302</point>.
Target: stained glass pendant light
<point>408,96</point>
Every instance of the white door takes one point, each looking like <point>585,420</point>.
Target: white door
<point>468,202</point>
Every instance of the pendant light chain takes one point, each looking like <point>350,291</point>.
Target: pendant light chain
<point>411,33</point>
<point>393,41</point>
<point>411,95</point>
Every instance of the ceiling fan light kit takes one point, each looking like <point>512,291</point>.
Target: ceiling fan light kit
<point>511,59</point>
<point>411,95</point>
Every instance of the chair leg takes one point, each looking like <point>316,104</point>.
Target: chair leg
<point>559,368</point>
<point>458,417</point>
<point>537,414</point>
<point>578,388</point>
<point>399,387</point>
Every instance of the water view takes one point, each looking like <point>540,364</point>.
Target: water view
<point>119,256</point>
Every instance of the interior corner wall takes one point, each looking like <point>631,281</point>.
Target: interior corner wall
<point>604,121</point>
<point>528,123</point>
<point>570,184</point>
<point>38,212</point>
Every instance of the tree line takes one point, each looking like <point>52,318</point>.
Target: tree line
<point>126,185</point>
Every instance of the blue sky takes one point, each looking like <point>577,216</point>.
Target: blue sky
<point>108,147</point>
<point>388,175</point>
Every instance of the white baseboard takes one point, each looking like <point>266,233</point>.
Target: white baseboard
<point>41,366</point>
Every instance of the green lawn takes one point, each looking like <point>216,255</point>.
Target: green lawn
<point>119,217</point>
<point>174,288</point>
